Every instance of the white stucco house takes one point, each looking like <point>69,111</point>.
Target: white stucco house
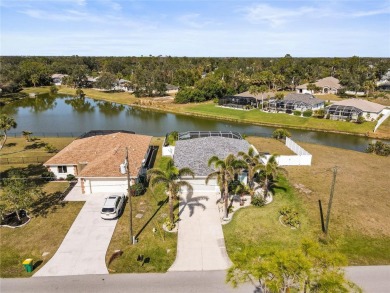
<point>95,161</point>
<point>57,78</point>
<point>327,85</point>
<point>353,108</point>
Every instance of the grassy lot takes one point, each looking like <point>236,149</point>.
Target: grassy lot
<point>44,233</point>
<point>359,219</point>
<point>159,247</point>
<point>18,150</point>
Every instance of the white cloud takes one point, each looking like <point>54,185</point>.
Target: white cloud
<point>193,20</point>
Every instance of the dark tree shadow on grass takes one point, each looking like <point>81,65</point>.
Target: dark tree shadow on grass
<point>10,144</point>
<point>35,145</point>
<point>47,203</point>
<point>32,170</point>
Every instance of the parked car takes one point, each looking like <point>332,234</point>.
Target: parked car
<point>113,206</point>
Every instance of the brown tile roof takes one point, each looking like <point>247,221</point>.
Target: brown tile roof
<point>104,153</point>
<point>258,97</point>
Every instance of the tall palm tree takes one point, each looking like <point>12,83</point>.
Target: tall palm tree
<point>225,173</point>
<point>6,123</point>
<point>253,164</point>
<point>271,170</point>
<point>170,178</point>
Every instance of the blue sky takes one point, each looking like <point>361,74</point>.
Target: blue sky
<point>196,28</point>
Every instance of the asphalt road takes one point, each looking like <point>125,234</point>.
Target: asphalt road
<point>172,282</point>
<point>372,279</point>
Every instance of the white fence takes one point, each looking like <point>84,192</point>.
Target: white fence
<point>386,114</point>
<point>302,157</point>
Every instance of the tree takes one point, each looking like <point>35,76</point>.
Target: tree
<point>311,87</point>
<point>281,133</point>
<point>27,135</point>
<point>369,86</point>
<point>309,268</point>
<point>253,164</point>
<point>170,178</point>
<point>271,170</point>
<point>188,95</point>
<point>225,173</point>
<point>19,192</point>
<point>106,81</point>
<point>6,123</point>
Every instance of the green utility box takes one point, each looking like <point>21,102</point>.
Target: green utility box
<point>28,265</point>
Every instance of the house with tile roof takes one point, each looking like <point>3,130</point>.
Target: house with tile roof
<point>327,85</point>
<point>296,102</point>
<point>57,78</point>
<point>95,161</point>
<point>195,152</point>
<point>353,108</point>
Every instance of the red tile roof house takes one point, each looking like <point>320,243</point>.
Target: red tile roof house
<point>96,161</point>
<point>327,85</point>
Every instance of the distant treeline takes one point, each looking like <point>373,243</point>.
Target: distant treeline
<point>148,76</point>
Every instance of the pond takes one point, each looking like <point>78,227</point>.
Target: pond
<point>70,116</point>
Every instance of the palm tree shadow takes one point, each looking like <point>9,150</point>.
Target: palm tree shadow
<point>191,202</point>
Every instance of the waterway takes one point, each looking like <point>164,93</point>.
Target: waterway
<point>70,116</point>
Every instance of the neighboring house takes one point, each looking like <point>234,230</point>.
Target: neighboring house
<point>384,83</point>
<point>95,160</point>
<point>244,99</point>
<point>91,81</point>
<point>122,85</point>
<point>353,108</point>
<point>172,89</point>
<point>296,102</point>
<point>327,85</point>
<point>195,153</point>
<point>57,78</point>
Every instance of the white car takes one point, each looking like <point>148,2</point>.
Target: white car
<point>113,206</point>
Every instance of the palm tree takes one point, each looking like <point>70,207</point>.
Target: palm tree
<point>225,173</point>
<point>271,170</point>
<point>6,123</point>
<point>169,177</point>
<point>253,164</point>
<point>27,135</point>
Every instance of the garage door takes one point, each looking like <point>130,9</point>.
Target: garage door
<point>105,185</point>
<point>199,186</point>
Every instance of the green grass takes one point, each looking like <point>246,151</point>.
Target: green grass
<point>159,246</point>
<point>44,233</point>
<point>358,225</point>
<point>281,119</point>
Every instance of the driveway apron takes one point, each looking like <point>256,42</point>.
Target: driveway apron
<point>201,244</point>
<point>84,247</point>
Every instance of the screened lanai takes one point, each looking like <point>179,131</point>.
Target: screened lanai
<point>198,134</point>
<point>237,102</point>
<point>287,106</point>
<point>341,112</point>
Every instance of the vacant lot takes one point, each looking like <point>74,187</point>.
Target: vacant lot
<point>158,248</point>
<point>359,217</point>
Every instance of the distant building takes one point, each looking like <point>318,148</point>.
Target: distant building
<point>327,85</point>
<point>172,89</point>
<point>296,102</point>
<point>353,108</point>
<point>244,99</point>
<point>57,78</point>
<point>384,83</point>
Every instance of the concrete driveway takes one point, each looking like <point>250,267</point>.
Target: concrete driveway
<point>201,245</point>
<point>83,249</point>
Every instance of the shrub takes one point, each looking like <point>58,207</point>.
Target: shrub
<point>360,120</point>
<point>297,113</point>
<point>379,148</point>
<point>48,175</point>
<point>50,148</point>
<point>258,201</point>
<point>53,90</point>
<point>70,177</point>
<point>320,113</point>
<point>281,133</point>
<point>137,189</point>
<point>307,113</point>
<point>290,217</point>
<point>79,92</point>
<point>327,116</point>
<point>169,225</point>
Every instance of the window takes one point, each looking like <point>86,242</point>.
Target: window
<point>62,169</point>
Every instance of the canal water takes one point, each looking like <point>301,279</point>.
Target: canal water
<point>70,116</point>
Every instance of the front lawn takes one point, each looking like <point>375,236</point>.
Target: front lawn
<point>157,246</point>
<point>51,220</point>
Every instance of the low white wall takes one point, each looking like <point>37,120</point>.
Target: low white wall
<point>168,151</point>
<point>302,157</point>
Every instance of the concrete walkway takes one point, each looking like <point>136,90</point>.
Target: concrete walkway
<point>83,249</point>
<point>372,279</point>
<point>201,245</point>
